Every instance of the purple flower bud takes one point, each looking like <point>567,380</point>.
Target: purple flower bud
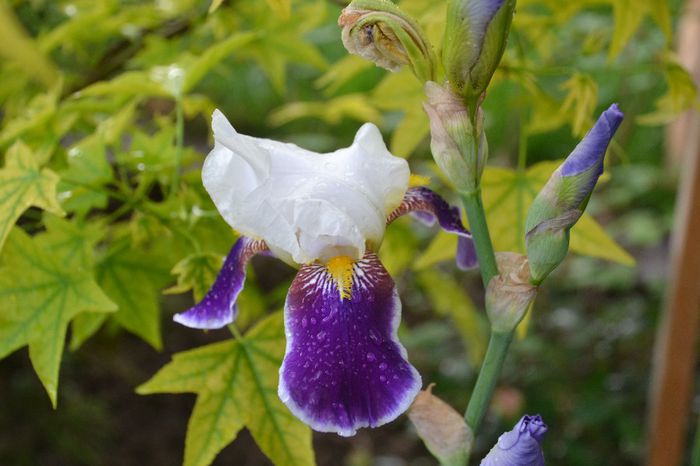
<point>561,202</point>
<point>475,38</point>
<point>520,446</point>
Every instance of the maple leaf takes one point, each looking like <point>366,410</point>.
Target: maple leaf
<point>236,386</point>
<point>40,296</point>
<point>22,185</point>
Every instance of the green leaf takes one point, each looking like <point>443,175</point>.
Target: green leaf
<point>342,72</point>
<point>84,326</point>
<point>282,8</point>
<point>127,84</point>
<point>441,248</point>
<point>449,299</point>
<point>507,198</point>
<point>281,40</point>
<point>22,185</point>
<point>133,277</point>
<point>589,239</point>
<point>88,170</point>
<point>18,46</point>
<point>333,110</point>
<point>402,92</point>
<point>196,272</point>
<point>580,102</point>
<point>398,247</point>
<point>40,296</point>
<point>628,16</point>
<point>72,242</point>
<point>681,94</point>
<point>236,386</point>
<point>212,56</point>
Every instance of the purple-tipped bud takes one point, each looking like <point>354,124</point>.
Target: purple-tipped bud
<point>520,446</point>
<point>475,38</point>
<point>561,202</point>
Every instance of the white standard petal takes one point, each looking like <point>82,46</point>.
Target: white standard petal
<point>306,206</point>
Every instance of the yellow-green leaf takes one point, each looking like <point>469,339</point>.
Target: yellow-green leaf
<point>681,94</point>
<point>589,238</point>
<point>402,92</point>
<point>24,184</point>
<point>628,16</point>
<point>580,102</point>
<point>442,247</point>
<point>398,248</point>
<point>196,272</point>
<point>132,278</point>
<point>236,386</point>
<point>282,8</point>
<point>39,296</point>
<point>333,111</point>
<point>16,45</point>
<point>449,299</point>
<point>507,198</point>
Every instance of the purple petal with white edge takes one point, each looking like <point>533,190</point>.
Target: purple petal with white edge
<point>428,206</point>
<point>344,367</point>
<point>218,308</point>
<point>590,151</point>
<point>520,446</point>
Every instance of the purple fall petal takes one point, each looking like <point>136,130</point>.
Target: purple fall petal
<point>520,446</point>
<point>218,308</point>
<point>466,253</point>
<point>428,206</point>
<point>590,151</point>
<point>344,367</point>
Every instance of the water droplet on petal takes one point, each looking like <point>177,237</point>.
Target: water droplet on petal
<point>375,336</point>
<point>382,378</point>
<point>304,322</point>
<point>371,357</point>
<point>321,335</point>
<point>382,366</point>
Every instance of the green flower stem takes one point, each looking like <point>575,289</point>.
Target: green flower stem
<point>480,232</point>
<point>488,376</point>
<point>179,142</point>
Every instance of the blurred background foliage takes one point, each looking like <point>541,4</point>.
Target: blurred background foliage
<point>108,102</point>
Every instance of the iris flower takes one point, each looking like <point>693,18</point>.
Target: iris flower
<point>326,214</point>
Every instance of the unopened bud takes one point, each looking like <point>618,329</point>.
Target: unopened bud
<point>561,202</point>
<point>520,446</point>
<point>380,32</point>
<point>509,294</point>
<point>459,149</point>
<point>475,38</point>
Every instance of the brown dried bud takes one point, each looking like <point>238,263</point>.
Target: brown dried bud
<point>509,295</point>
<point>442,429</point>
<point>380,32</point>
